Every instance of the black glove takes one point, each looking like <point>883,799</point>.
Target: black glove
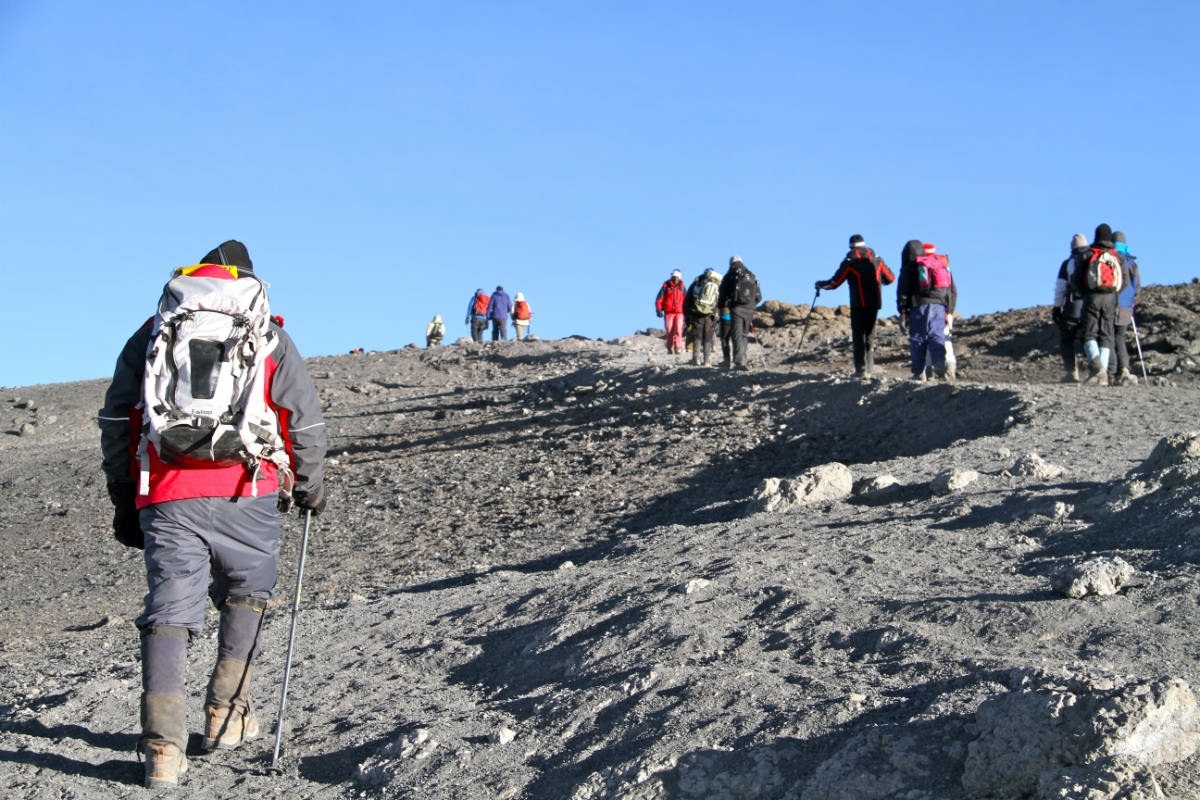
<point>903,323</point>
<point>659,312</point>
<point>820,285</point>
<point>313,500</point>
<point>127,528</point>
<point>284,504</point>
<point>1056,315</point>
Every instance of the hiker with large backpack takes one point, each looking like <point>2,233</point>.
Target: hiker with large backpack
<point>926,296</point>
<point>434,331</point>
<point>701,313</point>
<point>1127,298</point>
<point>522,316</point>
<point>477,314</point>
<point>741,293</point>
<point>864,272</point>
<point>1067,312</point>
<point>210,429</point>
<point>669,305</point>
<point>499,307</point>
<point>1100,274</point>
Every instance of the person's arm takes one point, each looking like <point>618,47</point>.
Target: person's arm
<point>301,423</point>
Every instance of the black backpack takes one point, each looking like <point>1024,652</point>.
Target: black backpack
<point>745,289</point>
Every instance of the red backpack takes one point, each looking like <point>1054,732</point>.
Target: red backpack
<point>481,303</point>
<point>522,311</point>
<point>1103,270</point>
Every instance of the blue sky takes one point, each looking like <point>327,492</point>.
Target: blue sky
<point>382,160</point>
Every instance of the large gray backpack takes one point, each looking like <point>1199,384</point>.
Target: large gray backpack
<point>204,391</point>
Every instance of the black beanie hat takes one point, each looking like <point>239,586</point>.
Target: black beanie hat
<point>856,239</point>
<point>232,254</point>
<point>1103,233</point>
<point>1118,237</point>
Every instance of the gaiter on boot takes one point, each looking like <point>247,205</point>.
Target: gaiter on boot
<point>164,665</point>
<point>229,718</point>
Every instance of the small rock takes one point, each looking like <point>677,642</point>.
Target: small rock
<point>1100,576</point>
<point>693,586</point>
<point>953,480</point>
<point>503,736</point>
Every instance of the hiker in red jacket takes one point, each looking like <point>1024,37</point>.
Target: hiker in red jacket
<point>865,272</point>
<point>209,528</point>
<point>670,305</point>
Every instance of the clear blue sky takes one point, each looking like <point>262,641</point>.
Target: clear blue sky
<point>382,160</point>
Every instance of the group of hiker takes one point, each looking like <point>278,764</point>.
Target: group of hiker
<point>1097,287</point>
<point>713,306</point>
<point>484,310</point>
<point>926,296</point>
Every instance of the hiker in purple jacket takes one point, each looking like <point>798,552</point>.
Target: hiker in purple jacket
<point>498,310</point>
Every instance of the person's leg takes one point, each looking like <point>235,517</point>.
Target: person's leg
<point>707,326</point>
<point>936,338</point>
<point>245,548</point>
<point>177,574</point>
<point>858,339</point>
<point>740,334</point>
<point>918,336</point>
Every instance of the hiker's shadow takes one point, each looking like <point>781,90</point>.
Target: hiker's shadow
<point>118,770</point>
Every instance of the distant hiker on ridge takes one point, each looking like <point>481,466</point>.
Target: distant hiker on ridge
<point>499,307</point>
<point>741,293</point>
<point>434,331</point>
<point>203,496</point>
<point>866,272</point>
<point>1068,312</point>
<point>477,314</point>
<point>925,295</point>
<point>669,305</point>
<point>521,316</point>
<point>1100,274</point>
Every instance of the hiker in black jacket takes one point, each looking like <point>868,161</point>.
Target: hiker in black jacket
<point>1099,302</point>
<point>864,271</point>
<point>1068,312</point>
<point>740,292</point>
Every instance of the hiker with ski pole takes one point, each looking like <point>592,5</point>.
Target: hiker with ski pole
<point>864,273</point>
<point>1127,298</point>
<point>204,498</point>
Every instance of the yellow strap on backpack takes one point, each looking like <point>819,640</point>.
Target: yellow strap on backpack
<point>230,268</point>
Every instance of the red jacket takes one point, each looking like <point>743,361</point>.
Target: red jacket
<point>290,392</point>
<point>671,297</point>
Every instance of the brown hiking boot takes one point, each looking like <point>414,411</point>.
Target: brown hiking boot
<point>227,728</point>
<point>165,762</point>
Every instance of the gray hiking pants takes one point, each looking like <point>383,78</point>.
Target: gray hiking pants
<point>207,546</point>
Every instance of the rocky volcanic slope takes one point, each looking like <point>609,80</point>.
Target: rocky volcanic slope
<point>581,569</point>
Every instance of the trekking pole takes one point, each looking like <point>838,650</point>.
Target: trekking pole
<point>806,319</point>
<point>1138,341</point>
<point>287,669</point>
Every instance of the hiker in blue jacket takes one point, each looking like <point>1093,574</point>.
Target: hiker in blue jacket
<point>1127,298</point>
<point>498,310</point>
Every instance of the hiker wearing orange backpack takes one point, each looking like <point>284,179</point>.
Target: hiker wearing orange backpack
<point>925,295</point>
<point>1100,274</point>
<point>477,314</point>
<point>522,315</point>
